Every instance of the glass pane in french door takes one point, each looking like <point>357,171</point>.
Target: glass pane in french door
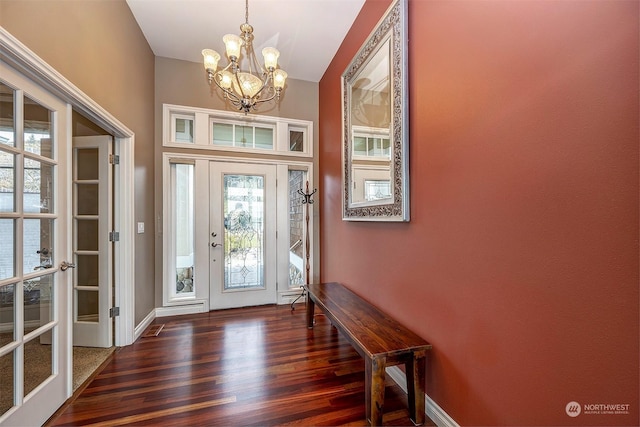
<point>7,108</point>
<point>38,363</point>
<point>37,128</point>
<point>7,181</point>
<point>38,239</point>
<point>38,310</point>
<point>7,249</point>
<point>6,396</point>
<point>244,226</point>
<point>7,310</point>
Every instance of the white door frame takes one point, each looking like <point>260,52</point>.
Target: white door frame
<point>199,303</point>
<point>27,62</point>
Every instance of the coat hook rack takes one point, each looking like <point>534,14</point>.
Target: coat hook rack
<point>307,200</point>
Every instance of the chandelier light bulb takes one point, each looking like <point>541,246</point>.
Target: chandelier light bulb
<point>211,58</point>
<point>279,78</point>
<point>271,55</point>
<point>226,78</point>
<point>232,44</point>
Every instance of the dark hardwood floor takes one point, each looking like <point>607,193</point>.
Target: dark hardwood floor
<point>243,367</point>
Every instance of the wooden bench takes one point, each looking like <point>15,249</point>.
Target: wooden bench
<point>379,339</point>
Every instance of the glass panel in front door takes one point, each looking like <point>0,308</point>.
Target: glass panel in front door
<point>244,226</point>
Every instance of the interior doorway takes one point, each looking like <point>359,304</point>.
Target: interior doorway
<point>93,169</point>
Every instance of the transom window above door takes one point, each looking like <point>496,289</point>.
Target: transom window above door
<point>189,127</point>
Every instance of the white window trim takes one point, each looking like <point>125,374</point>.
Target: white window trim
<point>202,130</point>
<point>173,130</point>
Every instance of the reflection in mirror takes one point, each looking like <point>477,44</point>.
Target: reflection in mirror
<point>375,127</point>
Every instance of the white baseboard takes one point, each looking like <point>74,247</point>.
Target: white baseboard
<point>434,412</point>
<point>142,326</point>
<point>288,297</point>
<point>199,306</point>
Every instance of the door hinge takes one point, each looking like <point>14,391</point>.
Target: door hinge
<point>114,311</point>
<point>114,236</point>
<point>114,159</point>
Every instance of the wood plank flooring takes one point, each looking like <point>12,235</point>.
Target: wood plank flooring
<point>256,366</point>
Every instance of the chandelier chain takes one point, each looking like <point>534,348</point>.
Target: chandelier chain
<point>246,11</point>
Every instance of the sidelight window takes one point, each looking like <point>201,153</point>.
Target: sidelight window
<point>182,229</point>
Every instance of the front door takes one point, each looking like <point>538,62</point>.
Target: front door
<point>242,234</point>
<point>92,278</point>
<point>35,344</point>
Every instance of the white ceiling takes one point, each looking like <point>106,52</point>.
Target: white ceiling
<point>306,32</point>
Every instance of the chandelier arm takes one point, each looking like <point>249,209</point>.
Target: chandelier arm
<point>244,95</point>
<point>264,86</point>
<point>230,95</point>
<point>274,93</point>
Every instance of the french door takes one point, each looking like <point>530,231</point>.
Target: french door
<point>92,278</point>
<point>242,235</point>
<point>35,346</point>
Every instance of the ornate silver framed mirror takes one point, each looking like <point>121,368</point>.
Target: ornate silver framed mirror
<point>375,125</point>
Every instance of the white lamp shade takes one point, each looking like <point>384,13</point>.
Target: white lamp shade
<point>233,44</point>
<point>226,78</point>
<point>211,58</point>
<point>250,84</point>
<point>279,78</point>
<point>271,55</point>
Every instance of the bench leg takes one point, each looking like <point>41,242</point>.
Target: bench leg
<point>415,367</point>
<point>374,377</point>
<point>310,309</point>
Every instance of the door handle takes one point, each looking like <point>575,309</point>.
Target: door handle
<point>215,245</point>
<point>65,265</point>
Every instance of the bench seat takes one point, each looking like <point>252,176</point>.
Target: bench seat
<point>379,339</point>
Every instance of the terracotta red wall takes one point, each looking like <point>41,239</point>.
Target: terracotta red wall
<point>520,263</point>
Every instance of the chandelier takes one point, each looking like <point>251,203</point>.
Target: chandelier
<point>254,84</point>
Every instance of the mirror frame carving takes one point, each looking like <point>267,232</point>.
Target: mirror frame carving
<point>393,24</point>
